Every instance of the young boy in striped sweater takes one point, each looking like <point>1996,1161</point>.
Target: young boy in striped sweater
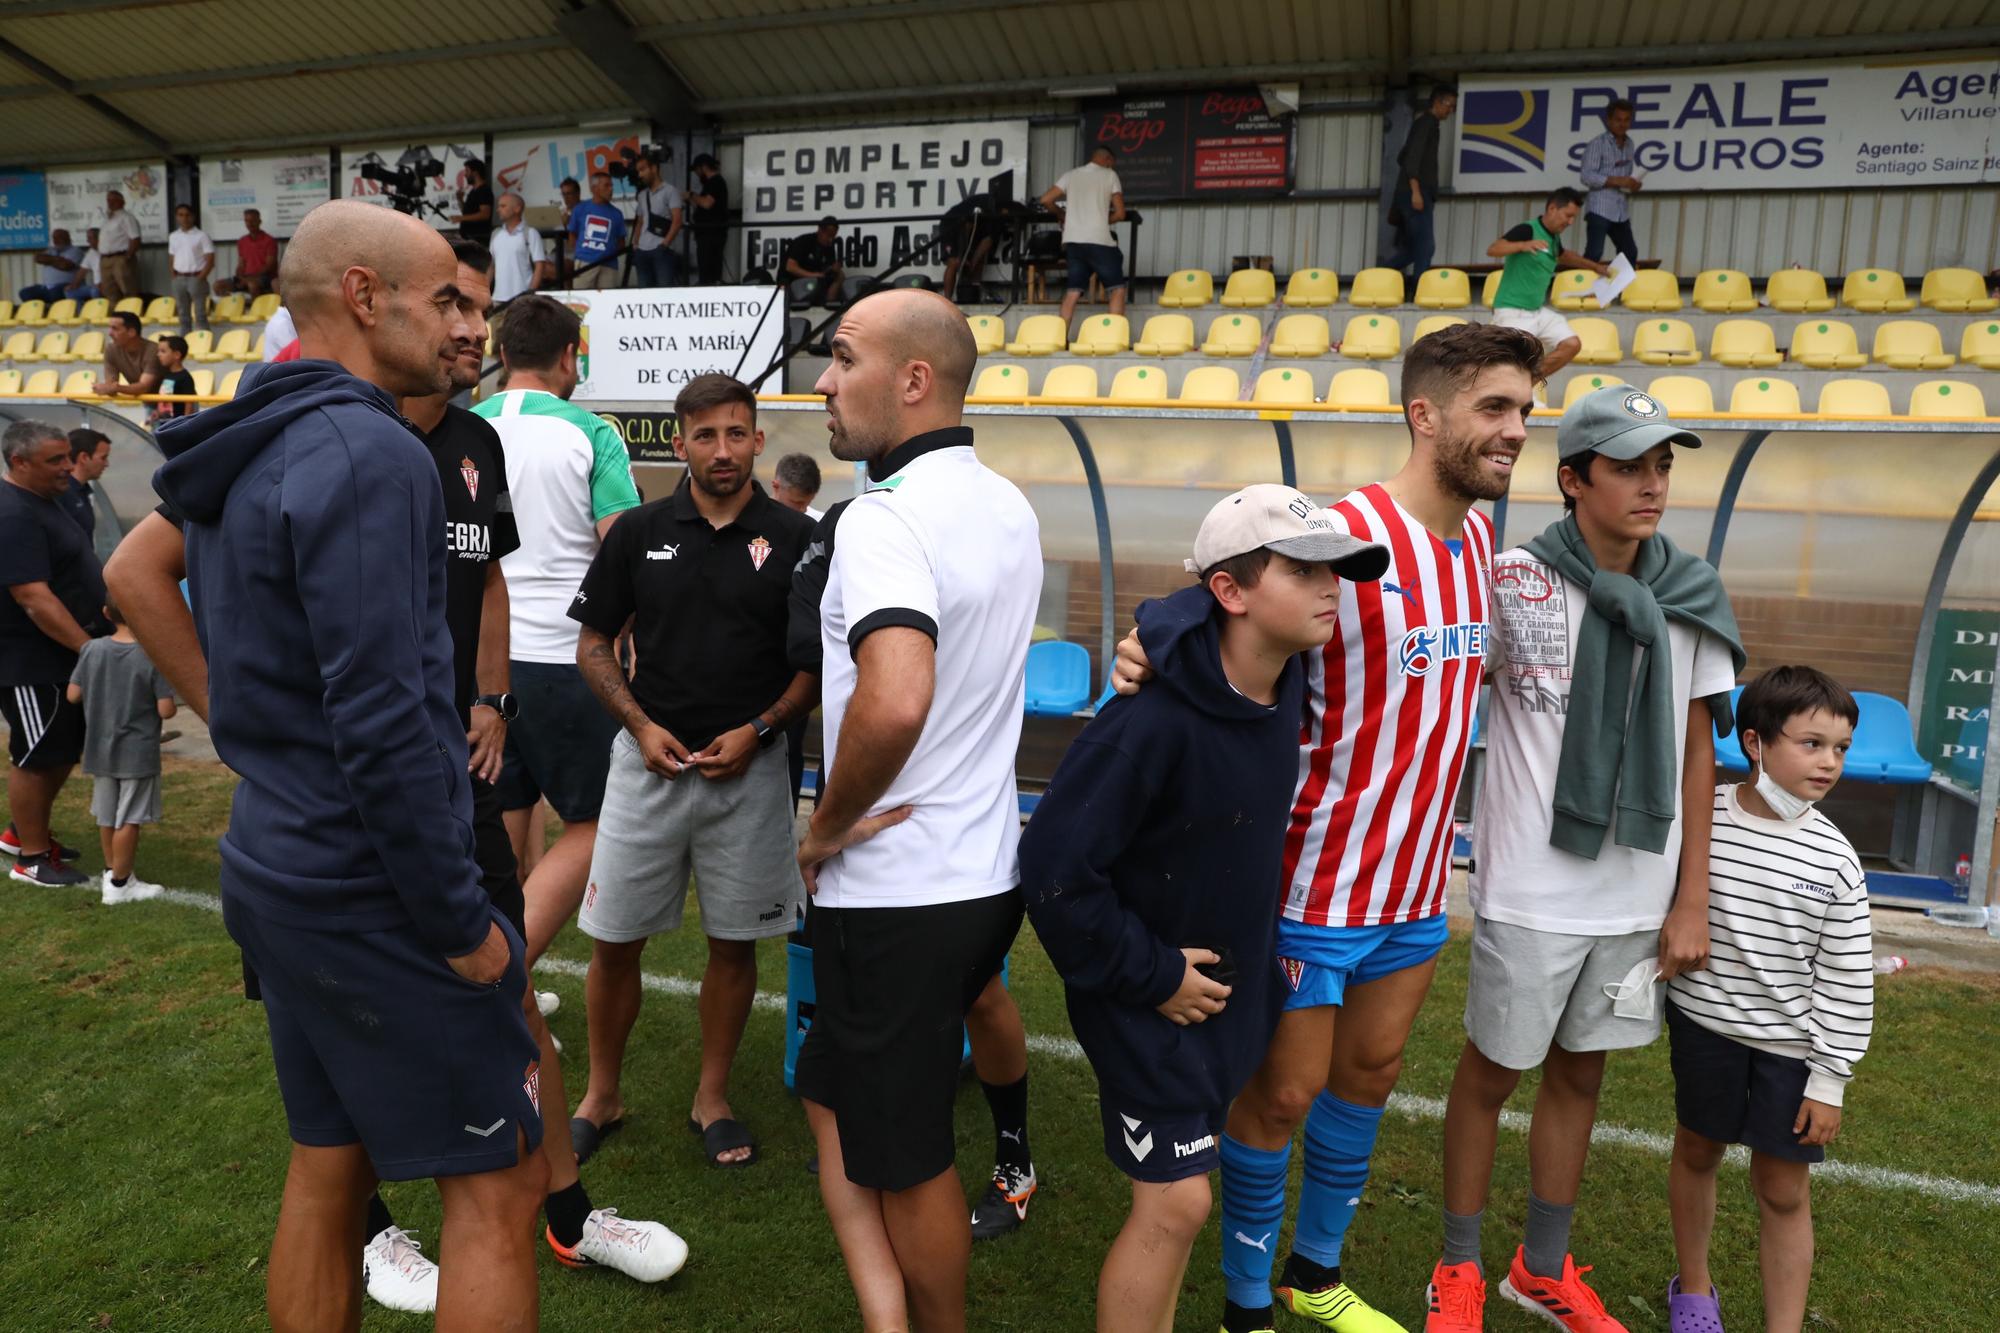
<point>1765,1037</point>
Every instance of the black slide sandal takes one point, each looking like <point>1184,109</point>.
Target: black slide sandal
<point>587,1138</point>
<point>720,1137</point>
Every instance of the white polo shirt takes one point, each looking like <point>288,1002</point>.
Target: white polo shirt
<point>942,544</point>
<point>515,254</point>
<point>117,232</point>
<point>190,249</point>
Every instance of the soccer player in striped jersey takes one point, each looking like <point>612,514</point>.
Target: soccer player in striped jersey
<point>1388,719</point>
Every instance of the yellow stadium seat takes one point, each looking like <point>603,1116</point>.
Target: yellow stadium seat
<point>1376,287</point>
<point>1744,342</point>
<point>1003,383</point>
<point>1312,287</point>
<point>1764,396</point>
<point>204,381</point>
<point>1371,338</point>
<point>1683,395</point>
<point>1665,342</point>
<point>1069,380</point>
<point>87,346</point>
<point>1166,335</point>
<point>1855,398</point>
<point>231,309</point>
<point>130,305</point>
<point>1284,386</point>
<point>78,384</point>
<point>1980,344</point>
<point>1301,335</point>
<point>1250,288</point>
<point>1233,335</point>
<point>1947,398</point>
<point>1876,290</point>
<point>1601,346</point>
<point>1571,290</point>
<point>10,380</point>
<point>1444,289</point>
<point>1102,335</point>
<point>163,310</point>
<point>67,313</point>
<point>94,311</point>
<point>32,314</point>
<point>1188,287</point>
<point>1360,389</point>
<point>1039,335</point>
<point>1579,385</point>
<point>1211,384</point>
<point>20,346</point>
<point>54,346</point>
<point>989,332</point>
<point>230,381</point>
<point>264,307</point>
<point>1957,290</point>
<point>1826,344</point>
<point>1490,290</point>
<point>1797,291</point>
<point>43,383</point>
<point>1911,344</point>
<point>201,345</point>
<point>6,314</point>
<point>1139,384</point>
<point>1652,289</point>
<point>1723,291</point>
<point>233,345</point>
<point>1430,324</point>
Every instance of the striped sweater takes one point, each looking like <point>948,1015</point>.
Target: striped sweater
<point>1791,963</point>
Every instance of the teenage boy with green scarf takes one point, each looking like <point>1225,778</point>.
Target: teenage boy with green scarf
<point>1611,648</point>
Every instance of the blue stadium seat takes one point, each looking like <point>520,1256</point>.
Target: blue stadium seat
<point>1058,678</point>
<point>1885,747</point>
<point>1728,750</point>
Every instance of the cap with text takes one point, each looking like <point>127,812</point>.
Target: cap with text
<point>1619,422</point>
<point>1277,518</point>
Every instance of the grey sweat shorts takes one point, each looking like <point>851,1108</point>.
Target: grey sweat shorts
<point>116,802</point>
<point>1529,988</point>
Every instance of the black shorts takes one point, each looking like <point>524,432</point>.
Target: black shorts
<point>560,744</point>
<point>493,850</point>
<point>1732,1093</point>
<point>44,729</point>
<point>894,985</point>
<point>1106,261</point>
<point>1160,1147</point>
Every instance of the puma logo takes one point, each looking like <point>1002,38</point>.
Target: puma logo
<point>1264,1244</point>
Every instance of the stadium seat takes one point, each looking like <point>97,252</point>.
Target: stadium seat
<point>1911,344</point>
<point>1069,381</point>
<point>10,380</point>
<point>233,345</point>
<point>130,305</point>
<point>1491,289</point>
<point>163,310</point>
<point>1058,678</point>
<point>1665,342</point>
<point>1166,335</point>
<point>230,381</point>
<point>1188,287</point>
<point>1430,324</point>
<point>204,380</point>
<point>54,346</point>
<point>1683,395</point>
<point>1284,386</point>
<point>1039,335</point>
<point>1723,291</point>
<point>1957,290</point>
<point>1764,396</point>
<point>1212,384</point>
<point>1139,384</point>
<point>20,346</point>
<point>989,332</point>
<point>1876,290</point>
<point>94,311</point>
<point>1744,342</point>
<point>1361,389</point>
<point>78,384</point>
<point>1579,385</point>
<point>1652,289</point>
<point>32,314</point>
<point>1376,287</point>
<point>201,345</point>
<point>1233,335</point>
<point>230,309</point>
<point>1948,399</point>
<point>1312,287</point>
<point>1797,291</point>
<point>87,346</point>
<point>42,384</point>
<point>264,307</point>
<point>1444,289</point>
<point>1855,398</point>
<point>1980,344</point>
<point>1729,749</point>
<point>1250,288</point>
<point>1371,338</point>
<point>1885,746</point>
<point>1601,346</point>
<point>1571,290</point>
<point>6,314</point>
<point>1102,335</point>
<point>66,313</point>
<point>1004,383</point>
<point>1826,344</point>
<point>1301,335</point>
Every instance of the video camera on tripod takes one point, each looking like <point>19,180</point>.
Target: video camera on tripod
<point>625,167</point>
<point>408,181</point>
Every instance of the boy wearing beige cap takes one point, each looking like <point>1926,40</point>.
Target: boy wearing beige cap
<point>1151,867</point>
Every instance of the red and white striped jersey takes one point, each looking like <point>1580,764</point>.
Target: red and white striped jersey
<point>1390,705</point>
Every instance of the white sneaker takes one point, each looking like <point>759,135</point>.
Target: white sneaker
<point>135,890</point>
<point>399,1276</point>
<point>548,1002</point>
<point>642,1251</point>
<point>556,1042</point>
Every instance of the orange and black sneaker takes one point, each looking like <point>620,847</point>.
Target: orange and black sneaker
<point>1456,1300</point>
<point>1567,1301</point>
<point>1004,1207</point>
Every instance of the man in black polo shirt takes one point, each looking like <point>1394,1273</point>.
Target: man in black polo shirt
<point>814,255</point>
<point>698,781</point>
<point>55,594</point>
<point>710,197</point>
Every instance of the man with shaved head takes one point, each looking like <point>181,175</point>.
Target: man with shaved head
<point>314,527</point>
<point>910,855</point>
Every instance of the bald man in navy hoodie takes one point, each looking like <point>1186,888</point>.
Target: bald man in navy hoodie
<point>392,986</point>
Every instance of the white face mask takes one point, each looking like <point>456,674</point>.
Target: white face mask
<point>1783,804</point>
<point>1634,997</point>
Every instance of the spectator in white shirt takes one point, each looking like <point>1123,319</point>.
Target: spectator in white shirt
<point>194,259</point>
<point>86,283</point>
<point>119,244</point>
<point>1093,202</point>
<point>520,260</point>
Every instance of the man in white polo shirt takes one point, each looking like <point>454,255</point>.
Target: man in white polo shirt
<point>193,257</point>
<point>929,605</point>
<point>1093,201</point>
<point>118,241</point>
<point>520,260</point>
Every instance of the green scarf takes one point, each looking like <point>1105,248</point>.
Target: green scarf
<point>1618,738</point>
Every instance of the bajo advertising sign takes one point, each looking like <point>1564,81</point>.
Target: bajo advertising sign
<point>1212,145</point>
<point>641,344</point>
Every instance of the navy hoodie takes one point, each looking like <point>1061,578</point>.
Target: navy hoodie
<point>316,570</point>
<point>1164,829</point>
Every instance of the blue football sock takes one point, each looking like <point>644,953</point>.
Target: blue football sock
<point>1253,1208</point>
<point>1340,1138</point>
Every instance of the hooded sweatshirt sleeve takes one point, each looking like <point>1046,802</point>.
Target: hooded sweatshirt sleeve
<point>365,584</point>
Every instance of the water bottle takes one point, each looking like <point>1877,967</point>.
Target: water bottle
<point>1961,876</point>
<point>1958,914</point>
<point>1890,964</point>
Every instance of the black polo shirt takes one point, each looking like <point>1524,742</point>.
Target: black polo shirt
<point>812,254</point>
<point>716,215</point>
<point>710,607</point>
<point>43,544</point>
<point>478,529</point>
<point>76,500</point>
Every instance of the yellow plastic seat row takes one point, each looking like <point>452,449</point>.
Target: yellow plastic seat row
<point>1376,288</point>
<point>1233,335</point>
<point>989,332</point>
<point>1371,338</point>
<point>1166,335</point>
<point>1102,335</point>
<point>163,310</point>
<point>1301,335</point>
<point>1250,288</point>
<point>1956,290</point>
<point>1214,386</point>
<point>31,314</point>
<point>1665,342</point>
<point>1311,287</point>
<point>1876,290</point>
<point>1826,344</point>
<point>1980,345</point>
<point>1723,291</point>
<point>6,314</point>
<point>1744,342</point>
<point>1188,287</point>
<point>1911,344</point>
<point>1444,289</point>
<point>233,345</point>
<point>42,383</point>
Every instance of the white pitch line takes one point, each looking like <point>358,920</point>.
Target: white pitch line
<point>1409,1105</point>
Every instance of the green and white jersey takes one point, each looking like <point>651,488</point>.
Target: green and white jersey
<point>567,468</point>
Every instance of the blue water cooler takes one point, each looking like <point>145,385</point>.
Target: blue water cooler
<point>799,999</point>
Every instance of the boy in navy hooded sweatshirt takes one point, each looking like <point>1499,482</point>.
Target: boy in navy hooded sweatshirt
<point>1152,868</point>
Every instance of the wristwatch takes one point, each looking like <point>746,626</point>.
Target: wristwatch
<point>504,704</point>
<point>766,733</point>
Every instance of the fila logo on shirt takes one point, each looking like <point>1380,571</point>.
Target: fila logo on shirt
<point>1428,645</point>
<point>760,551</point>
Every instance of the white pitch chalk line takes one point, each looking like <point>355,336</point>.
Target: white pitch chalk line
<point>1409,1105</point>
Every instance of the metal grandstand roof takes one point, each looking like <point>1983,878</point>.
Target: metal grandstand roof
<point>81,79</point>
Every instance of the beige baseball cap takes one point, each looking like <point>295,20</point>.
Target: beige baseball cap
<point>1268,516</point>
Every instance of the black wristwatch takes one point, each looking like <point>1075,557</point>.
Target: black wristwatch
<point>504,704</point>
<point>767,734</point>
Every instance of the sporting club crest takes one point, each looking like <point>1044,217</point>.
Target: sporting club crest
<point>471,475</point>
<point>760,551</point>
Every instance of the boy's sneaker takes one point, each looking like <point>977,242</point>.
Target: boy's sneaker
<point>399,1276</point>
<point>1004,1206</point>
<point>134,890</point>
<point>642,1251</point>
<point>1693,1314</point>
<point>48,872</point>
<point>10,845</point>
<point>1336,1307</point>
<point>1567,1301</point>
<point>548,1002</point>
<point>1456,1300</point>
